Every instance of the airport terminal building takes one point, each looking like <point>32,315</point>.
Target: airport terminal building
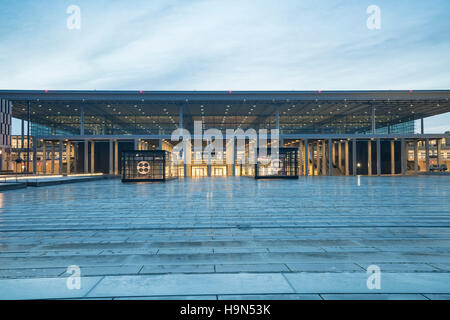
<point>332,132</point>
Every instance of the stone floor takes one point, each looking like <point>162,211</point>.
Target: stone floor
<point>229,238</point>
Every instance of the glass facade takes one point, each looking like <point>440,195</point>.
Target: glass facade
<point>281,165</point>
<point>162,117</point>
<point>142,166</point>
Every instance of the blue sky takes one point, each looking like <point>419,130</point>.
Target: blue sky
<point>227,45</point>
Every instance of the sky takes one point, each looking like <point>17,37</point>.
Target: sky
<point>227,45</point>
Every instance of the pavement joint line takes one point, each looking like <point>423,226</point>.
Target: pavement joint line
<point>288,282</point>
<point>94,286</point>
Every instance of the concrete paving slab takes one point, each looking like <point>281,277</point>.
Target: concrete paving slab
<point>107,270</point>
<point>107,225</point>
<point>191,284</point>
<point>271,267</point>
<point>370,296</point>
<point>43,288</point>
<point>32,273</point>
<point>442,266</point>
<point>324,267</point>
<point>404,267</point>
<point>433,296</point>
<point>271,297</point>
<point>357,282</point>
<point>210,297</point>
<point>187,268</point>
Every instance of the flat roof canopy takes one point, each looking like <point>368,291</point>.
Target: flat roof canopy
<point>158,112</point>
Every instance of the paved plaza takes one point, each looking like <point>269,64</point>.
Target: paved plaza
<point>229,238</point>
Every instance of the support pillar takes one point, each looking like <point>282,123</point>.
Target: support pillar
<point>53,157</point>
<point>403,156</point>
<point>416,156</point>
<point>22,145</point>
<point>86,156</point>
<point>111,156</point>
<point>340,156</point>
<point>378,157</point>
<point>318,157</point>
<point>392,157</point>
<point>44,157</point>
<point>180,120</point>
<point>330,157</point>
<point>61,145</point>
<point>333,153</point>
<point>277,117</point>
<point>68,146</point>
<point>427,154</point>
<point>347,167</point>
<point>306,158</point>
<point>2,156</point>
<point>92,156</point>
<point>82,120</point>
<point>209,165</point>
<point>35,142</point>
<point>324,157</point>
<point>374,129</point>
<point>439,149</point>
<point>116,157</point>
<point>369,158</point>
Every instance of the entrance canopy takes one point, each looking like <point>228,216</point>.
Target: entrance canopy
<point>69,113</point>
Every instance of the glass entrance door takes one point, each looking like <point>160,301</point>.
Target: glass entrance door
<point>198,172</point>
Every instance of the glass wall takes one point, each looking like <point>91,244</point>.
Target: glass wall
<point>151,165</point>
<point>282,165</point>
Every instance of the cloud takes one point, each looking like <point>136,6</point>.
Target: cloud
<point>221,45</point>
